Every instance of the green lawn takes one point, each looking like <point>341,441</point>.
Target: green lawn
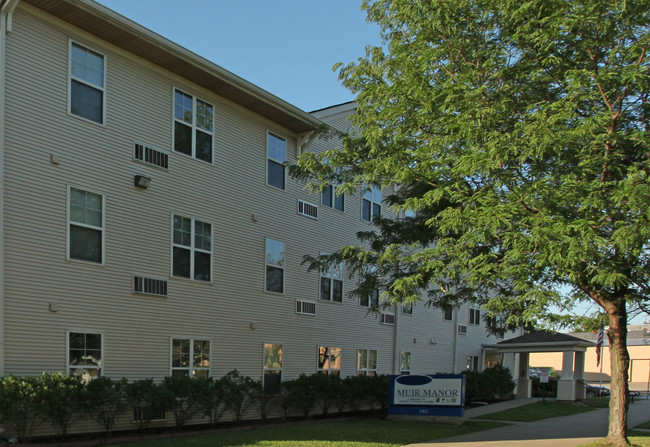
<point>536,411</point>
<point>362,433</point>
<point>637,439</point>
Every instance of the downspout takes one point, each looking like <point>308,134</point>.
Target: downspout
<point>7,7</point>
<point>455,332</point>
<point>396,356</point>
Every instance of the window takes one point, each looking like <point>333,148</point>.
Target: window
<point>370,299</point>
<point>331,283</point>
<point>192,249</point>
<point>274,266</point>
<point>85,355</point>
<point>474,315</point>
<point>272,368</point>
<point>387,318</point>
<point>87,83</point>
<point>191,358</point>
<point>448,313</point>
<point>371,204</point>
<point>329,360</point>
<point>85,226</point>
<point>330,198</point>
<point>367,362</point>
<point>472,362</point>
<point>276,154</point>
<point>193,120</point>
<point>407,309</point>
<point>462,329</point>
<point>405,363</point>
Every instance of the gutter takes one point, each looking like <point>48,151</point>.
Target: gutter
<point>6,13</point>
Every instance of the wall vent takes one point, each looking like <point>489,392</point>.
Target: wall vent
<point>151,156</point>
<point>307,209</point>
<point>149,286</point>
<point>387,318</point>
<point>305,307</point>
<point>462,329</point>
<point>147,413</point>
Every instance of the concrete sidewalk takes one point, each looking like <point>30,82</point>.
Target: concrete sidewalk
<point>565,431</point>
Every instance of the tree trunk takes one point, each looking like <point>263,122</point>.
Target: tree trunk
<point>620,359</point>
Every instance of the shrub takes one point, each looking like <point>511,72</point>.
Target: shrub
<point>19,401</point>
<point>61,400</point>
<point>238,394</point>
<point>185,394</point>
<point>104,400</point>
<point>327,389</point>
<point>489,384</point>
<point>357,391</point>
<point>147,399</point>
<point>302,394</point>
<point>550,387</point>
<point>212,399</point>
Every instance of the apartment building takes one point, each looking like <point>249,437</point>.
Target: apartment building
<point>148,226</point>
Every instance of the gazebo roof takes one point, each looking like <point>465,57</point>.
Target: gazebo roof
<point>544,341</point>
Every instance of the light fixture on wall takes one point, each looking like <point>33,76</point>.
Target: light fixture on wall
<point>141,181</point>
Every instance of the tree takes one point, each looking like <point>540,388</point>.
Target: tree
<point>517,131</point>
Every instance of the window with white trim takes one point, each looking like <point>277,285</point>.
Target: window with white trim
<point>407,308</point>
<point>329,360</point>
<point>405,363</point>
<point>272,368</point>
<point>331,283</point>
<point>85,355</point>
<point>274,266</point>
<point>87,83</point>
<point>448,313</point>
<point>276,155</point>
<point>330,198</point>
<point>472,362</point>
<point>367,365</point>
<point>370,299</point>
<point>193,126</point>
<point>474,315</point>
<point>85,225</point>
<point>371,204</point>
<point>191,248</point>
<point>190,357</point>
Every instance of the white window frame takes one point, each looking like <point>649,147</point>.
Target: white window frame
<point>365,370</point>
<point>407,308</point>
<point>274,160</point>
<point>267,264</point>
<point>328,353</point>
<point>193,125</point>
<point>191,369</point>
<point>264,367</point>
<point>333,186</point>
<point>474,316</point>
<point>192,248</point>
<point>403,354</point>
<point>82,81</point>
<point>334,273</point>
<point>371,196</point>
<point>473,363</point>
<point>451,315</point>
<point>69,223</point>
<point>100,367</point>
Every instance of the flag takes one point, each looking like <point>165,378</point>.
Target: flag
<point>599,343</point>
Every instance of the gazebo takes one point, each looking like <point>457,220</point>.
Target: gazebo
<point>516,353</point>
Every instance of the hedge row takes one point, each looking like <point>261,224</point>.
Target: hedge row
<point>488,385</point>
<point>61,400</point>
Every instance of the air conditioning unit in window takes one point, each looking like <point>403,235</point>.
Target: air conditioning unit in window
<point>462,329</point>
<point>149,286</point>
<point>387,318</point>
<point>307,209</point>
<point>305,307</point>
<point>151,156</point>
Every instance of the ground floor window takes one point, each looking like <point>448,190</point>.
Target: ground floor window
<point>85,355</point>
<point>329,360</point>
<point>190,357</point>
<point>472,362</point>
<point>367,362</point>
<point>272,368</point>
<point>405,363</point>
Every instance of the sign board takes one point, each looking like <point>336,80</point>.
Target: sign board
<point>543,377</point>
<point>434,395</point>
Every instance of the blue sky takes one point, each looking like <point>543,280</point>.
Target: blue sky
<point>286,47</point>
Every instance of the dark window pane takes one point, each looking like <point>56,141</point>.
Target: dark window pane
<point>364,300</point>
<point>85,244</point>
<point>93,341</point>
<point>376,210</point>
<point>327,196</point>
<point>181,262</point>
<point>87,102</point>
<point>276,174</point>
<point>203,146</point>
<point>337,292</point>
<point>274,279</point>
<point>182,138</point>
<point>272,382</point>
<point>365,211</point>
<point>325,284</point>
<point>202,266</point>
<point>339,202</point>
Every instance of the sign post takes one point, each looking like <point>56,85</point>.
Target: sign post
<point>543,378</point>
<point>439,398</point>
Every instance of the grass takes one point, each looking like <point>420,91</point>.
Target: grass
<point>361,433</point>
<point>536,411</point>
<point>597,402</point>
<point>637,439</point>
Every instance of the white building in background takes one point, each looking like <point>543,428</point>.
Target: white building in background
<point>148,226</point>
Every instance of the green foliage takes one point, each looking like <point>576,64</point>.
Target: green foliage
<point>545,389</point>
<point>327,389</point>
<point>147,398</point>
<point>302,393</point>
<point>19,405</point>
<point>185,397</point>
<point>358,392</point>
<point>489,384</point>
<point>104,400</point>
<point>212,399</point>
<point>61,400</point>
<point>238,392</point>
